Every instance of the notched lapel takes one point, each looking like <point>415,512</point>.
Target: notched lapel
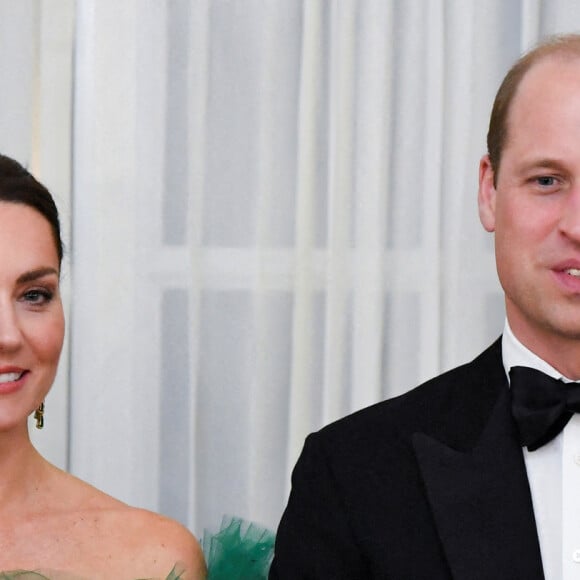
<point>481,502</point>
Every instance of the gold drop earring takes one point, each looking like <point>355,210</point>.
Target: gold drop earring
<point>39,416</point>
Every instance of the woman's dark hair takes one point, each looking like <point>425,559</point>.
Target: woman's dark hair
<point>17,185</point>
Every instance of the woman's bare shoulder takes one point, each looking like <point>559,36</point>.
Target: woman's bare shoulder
<point>152,544</point>
<point>134,542</point>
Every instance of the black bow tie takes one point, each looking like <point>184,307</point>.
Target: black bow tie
<point>541,405</point>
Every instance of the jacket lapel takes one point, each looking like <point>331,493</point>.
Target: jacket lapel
<point>481,502</point>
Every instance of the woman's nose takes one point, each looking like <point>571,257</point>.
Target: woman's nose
<point>10,333</point>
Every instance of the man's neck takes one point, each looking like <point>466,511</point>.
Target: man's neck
<point>560,352</point>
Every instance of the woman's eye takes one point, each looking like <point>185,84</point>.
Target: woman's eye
<point>37,297</point>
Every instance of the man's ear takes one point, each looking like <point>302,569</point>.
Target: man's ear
<point>486,194</point>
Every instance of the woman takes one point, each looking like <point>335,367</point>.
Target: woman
<point>50,521</point>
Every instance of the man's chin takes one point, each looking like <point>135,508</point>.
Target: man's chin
<point>564,324</point>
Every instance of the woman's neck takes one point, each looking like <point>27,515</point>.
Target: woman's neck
<point>22,473</point>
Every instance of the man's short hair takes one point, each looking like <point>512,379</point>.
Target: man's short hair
<point>566,46</point>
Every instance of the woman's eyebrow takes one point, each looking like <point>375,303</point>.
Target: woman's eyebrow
<point>35,275</point>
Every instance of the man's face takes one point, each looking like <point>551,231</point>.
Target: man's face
<point>534,210</point>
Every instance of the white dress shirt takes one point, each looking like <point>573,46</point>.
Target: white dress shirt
<point>554,476</point>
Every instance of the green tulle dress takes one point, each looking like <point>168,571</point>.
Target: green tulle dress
<point>239,551</point>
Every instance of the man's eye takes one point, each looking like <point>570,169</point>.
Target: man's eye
<point>546,181</point>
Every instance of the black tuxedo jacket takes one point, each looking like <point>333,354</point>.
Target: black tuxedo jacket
<point>430,485</point>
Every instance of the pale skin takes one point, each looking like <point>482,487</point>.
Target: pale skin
<point>534,210</point>
<point>50,520</point>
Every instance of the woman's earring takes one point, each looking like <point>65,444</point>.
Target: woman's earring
<point>39,416</point>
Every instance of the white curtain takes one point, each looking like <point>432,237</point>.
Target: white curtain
<point>274,222</point>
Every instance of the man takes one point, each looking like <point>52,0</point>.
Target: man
<point>443,482</point>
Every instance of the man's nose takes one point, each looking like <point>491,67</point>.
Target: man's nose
<point>570,218</point>
<point>10,332</point>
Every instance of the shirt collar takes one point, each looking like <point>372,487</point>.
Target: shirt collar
<point>514,354</point>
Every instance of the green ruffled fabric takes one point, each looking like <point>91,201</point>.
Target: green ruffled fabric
<point>239,551</point>
<point>174,574</point>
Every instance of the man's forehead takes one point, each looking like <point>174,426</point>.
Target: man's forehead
<point>554,67</point>
<point>538,86</point>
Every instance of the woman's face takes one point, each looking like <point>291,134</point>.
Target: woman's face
<point>31,314</point>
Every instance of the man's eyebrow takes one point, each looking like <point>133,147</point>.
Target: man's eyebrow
<point>33,275</point>
<point>547,162</point>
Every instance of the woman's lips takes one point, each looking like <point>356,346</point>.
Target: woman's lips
<point>11,379</point>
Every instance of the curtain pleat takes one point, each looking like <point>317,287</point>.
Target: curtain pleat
<point>370,194</point>
<point>264,390</point>
<point>432,207</point>
<point>104,252</point>
<point>341,133</point>
<point>302,411</point>
<point>458,180</point>
<point>198,86</point>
